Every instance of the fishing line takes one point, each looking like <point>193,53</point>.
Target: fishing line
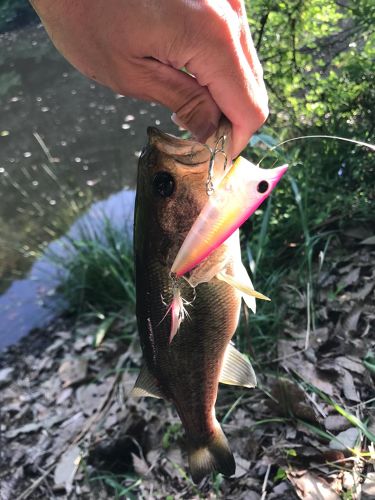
<point>336,137</point>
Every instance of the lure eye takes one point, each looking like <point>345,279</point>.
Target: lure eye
<point>163,184</point>
<point>262,187</point>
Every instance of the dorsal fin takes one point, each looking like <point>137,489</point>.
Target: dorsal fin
<point>237,369</point>
<point>146,385</point>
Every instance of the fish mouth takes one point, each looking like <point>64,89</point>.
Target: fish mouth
<point>185,151</point>
<point>189,151</point>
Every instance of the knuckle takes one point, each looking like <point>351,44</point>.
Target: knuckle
<point>191,107</point>
<point>221,20</point>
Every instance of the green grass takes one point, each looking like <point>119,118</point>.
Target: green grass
<point>292,231</point>
<point>97,274</point>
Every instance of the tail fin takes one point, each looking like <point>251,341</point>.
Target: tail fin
<point>216,456</point>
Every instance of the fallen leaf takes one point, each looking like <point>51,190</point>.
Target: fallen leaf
<point>350,323</point>
<point>351,364</point>
<point>242,466</point>
<point>140,465</point>
<point>336,423</point>
<point>114,415</point>
<point>56,345</point>
<point>368,241</point>
<point>309,486</point>
<point>348,387</point>
<point>6,375</point>
<point>358,233</point>
<point>368,487</point>
<point>309,373</point>
<point>67,467</point>
<point>280,491</point>
<point>64,395</point>
<point>291,400</point>
<point>350,278</point>
<point>73,371</point>
<point>91,396</point>
<point>34,426</point>
<point>362,293</point>
<point>345,440</point>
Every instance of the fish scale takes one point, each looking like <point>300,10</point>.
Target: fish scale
<point>186,357</point>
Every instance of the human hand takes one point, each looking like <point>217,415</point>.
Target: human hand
<point>137,48</point>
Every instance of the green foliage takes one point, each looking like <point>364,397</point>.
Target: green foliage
<point>120,486</point>
<point>98,272</point>
<point>317,58</point>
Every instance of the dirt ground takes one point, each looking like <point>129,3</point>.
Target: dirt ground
<point>68,428</point>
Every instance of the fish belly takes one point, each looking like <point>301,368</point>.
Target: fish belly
<point>187,370</point>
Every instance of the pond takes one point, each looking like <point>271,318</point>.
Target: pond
<point>65,143</point>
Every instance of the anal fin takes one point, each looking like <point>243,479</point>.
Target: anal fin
<point>237,369</point>
<point>146,385</point>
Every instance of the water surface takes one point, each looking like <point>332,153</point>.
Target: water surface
<point>65,142</point>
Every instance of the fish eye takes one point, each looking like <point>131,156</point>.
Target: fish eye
<point>163,184</point>
<point>262,187</point>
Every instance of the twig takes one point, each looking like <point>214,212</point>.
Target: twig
<point>45,149</point>
<point>263,22</point>
<point>264,487</point>
<point>26,493</point>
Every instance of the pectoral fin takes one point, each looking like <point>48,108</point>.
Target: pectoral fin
<point>146,385</point>
<point>242,282</point>
<point>237,369</point>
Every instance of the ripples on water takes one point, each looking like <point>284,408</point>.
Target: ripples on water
<point>65,142</point>
<point>30,303</point>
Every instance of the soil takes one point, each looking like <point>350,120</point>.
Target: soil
<point>69,428</point>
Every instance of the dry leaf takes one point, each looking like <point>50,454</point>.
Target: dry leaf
<point>358,232</point>
<point>350,363</point>
<point>336,423</point>
<point>368,241</point>
<point>345,440</point>
<point>348,387</point>
<point>73,371</point>
<point>309,486</point>
<point>34,426</point>
<point>140,465</point>
<point>67,467</point>
<point>350,323</point>
<point>6,375</point>
<point>350,278</point>
<point>368,487</point>
<point>362,293</point>
<point>291,400</point>
<point>91,396</point>
<point>242,466</point>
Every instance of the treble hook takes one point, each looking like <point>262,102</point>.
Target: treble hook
<point>213,152</point>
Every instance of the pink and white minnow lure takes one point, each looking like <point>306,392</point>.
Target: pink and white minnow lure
<point>240,192</point>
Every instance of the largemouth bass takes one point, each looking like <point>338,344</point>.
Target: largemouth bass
<point>186,358</point>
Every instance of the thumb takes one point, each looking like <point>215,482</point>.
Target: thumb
<point>192,105</point>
